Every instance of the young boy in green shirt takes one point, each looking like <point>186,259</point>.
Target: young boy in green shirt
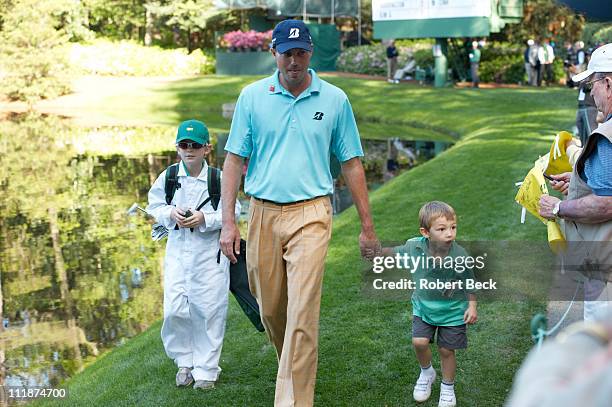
<point>445,311</point>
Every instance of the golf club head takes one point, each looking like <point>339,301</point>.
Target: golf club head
<point>133,209</point>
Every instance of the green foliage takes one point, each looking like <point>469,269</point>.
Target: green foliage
<point>597,33</point>
<point>72,18</point>
<point>33,61</point>
<point>365,59</point>
<point>545,19</point>
<point>191,23</point>
<point>502,63</point>
<point>372,59</point>
<point>558,71</point>
<point>126,58</point>
<point>188,15</point>
<point>117,18</point>
<point>424,57</point>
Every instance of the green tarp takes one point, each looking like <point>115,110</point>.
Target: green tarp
<point>326,39</point>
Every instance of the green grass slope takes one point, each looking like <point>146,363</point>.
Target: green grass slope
<point>365,358</point>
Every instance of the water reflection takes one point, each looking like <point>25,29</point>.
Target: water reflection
<point>78,276</point>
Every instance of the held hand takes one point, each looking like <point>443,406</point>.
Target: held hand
<point>179,216</point>
<point>195,220</point>
<point>470,315</point>
<point>230,241</point>
<point>369,244</point>
<point>547,203</point>
<point>561,182</point>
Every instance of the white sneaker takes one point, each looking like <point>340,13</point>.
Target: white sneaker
<point>447,397</point>
<point>422,388</point>
<point>184,377</point>
<point>390,80</point>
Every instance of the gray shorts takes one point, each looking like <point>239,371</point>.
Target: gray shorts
<point>449,337</point>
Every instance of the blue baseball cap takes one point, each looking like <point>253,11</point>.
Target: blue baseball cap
<point>291,34</point>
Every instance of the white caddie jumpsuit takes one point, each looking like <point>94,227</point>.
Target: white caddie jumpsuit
<point>195,286</point>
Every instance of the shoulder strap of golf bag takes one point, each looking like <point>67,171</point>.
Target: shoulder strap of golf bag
<point>171,182</point>
<point>214,186</point>
<point>214,189</point>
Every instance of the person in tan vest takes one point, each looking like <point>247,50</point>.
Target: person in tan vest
<point>586,213</point>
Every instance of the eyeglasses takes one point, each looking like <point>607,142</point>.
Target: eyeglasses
<point>192,144</point>
<point>588,86</point>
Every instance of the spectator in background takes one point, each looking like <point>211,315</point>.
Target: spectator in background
<point>546,56</point>
<point>537,77</point>
<point>392,55</point>
<point>581,60</point>
<point>531,56</point>
<point>474,62</point>
<point>569,64</point>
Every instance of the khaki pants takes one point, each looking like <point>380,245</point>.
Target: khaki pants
<point>286,250</point>
<point>391,67</point>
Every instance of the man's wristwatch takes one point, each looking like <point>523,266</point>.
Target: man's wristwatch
<point>556,209</point>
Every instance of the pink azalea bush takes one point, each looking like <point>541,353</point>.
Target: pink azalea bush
<point>246,40</point>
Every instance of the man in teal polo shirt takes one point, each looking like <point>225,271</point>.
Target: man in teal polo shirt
<point>288,125</point>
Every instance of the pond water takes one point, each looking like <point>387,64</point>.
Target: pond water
<point>79,276</point>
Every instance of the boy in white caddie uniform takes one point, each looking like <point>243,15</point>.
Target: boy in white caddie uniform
<point>196,284</point>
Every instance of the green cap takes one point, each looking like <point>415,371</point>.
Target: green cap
<point>193,130</point>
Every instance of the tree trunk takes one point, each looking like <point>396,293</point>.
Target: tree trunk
<point>148,37</point>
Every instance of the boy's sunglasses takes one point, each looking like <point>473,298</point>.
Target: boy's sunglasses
<point>192,144</point>
<point>588,86</point>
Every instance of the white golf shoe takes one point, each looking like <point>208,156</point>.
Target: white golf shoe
<point>422,388</point>
<point>447,398</point>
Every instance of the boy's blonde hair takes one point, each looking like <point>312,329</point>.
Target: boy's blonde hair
<point>433,210</point>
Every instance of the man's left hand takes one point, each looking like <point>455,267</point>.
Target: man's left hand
<point>195,220</point>
<point>369,244</point>
<point>547,203</point>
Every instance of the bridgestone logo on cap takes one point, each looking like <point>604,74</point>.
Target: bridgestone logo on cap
<point>189,128</point>
<point>294,33</point>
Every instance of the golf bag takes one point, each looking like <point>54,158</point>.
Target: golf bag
<point>239,286</point>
